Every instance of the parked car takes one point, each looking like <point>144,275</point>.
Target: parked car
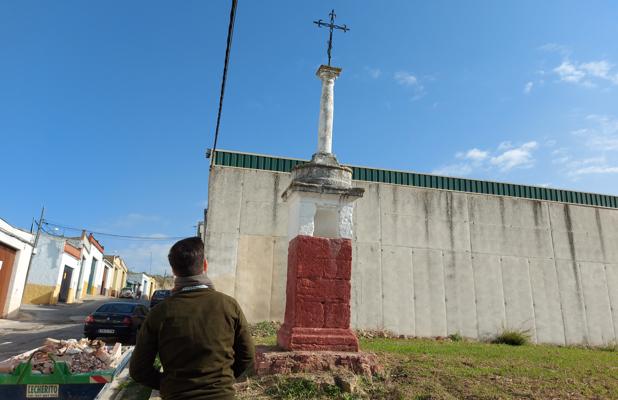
<point>158,296</point>
<point>116,320</point>
<point>127,293</point>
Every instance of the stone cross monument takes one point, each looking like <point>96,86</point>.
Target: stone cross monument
<point>320,209</point>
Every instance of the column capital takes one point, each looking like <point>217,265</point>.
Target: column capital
<point>328,72</point>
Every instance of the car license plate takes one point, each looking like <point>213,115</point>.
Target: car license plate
<point>106,331</point>
<point>42,391</point>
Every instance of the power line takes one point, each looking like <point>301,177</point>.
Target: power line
<point>230,34</point>
<point>117,236</point>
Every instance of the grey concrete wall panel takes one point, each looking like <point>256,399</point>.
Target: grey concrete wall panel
<point>279,279</point>
<point>429,296</point>
<point>518,301</point>
<point>254,276</point>
<point>576,237</point>
<point>510,241</point>
<point>611,273</point>
<point>547,308</point>
<point>367,214</point>
<point>459,292</point>
<point>490,310</point>
<point>367,286</point>
<point>597,305</point>
<point>572,300</point>
<point>398,290</point>
<point>225,205</point>
<point>222,254</point>
<point>263,211</point>
<point>607,223</point>
<point>476,264</point>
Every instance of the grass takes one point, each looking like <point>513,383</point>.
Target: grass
<point>299,386</point>
<point>265,329</point>
<point>462,369</point>
<point>513,338</point>
<point>455,337</point>
<point>132,390</point>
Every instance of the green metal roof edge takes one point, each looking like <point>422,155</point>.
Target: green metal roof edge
<point>280,164</point>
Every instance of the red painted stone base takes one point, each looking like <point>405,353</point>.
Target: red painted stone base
<point>317,311</point>
<point>332,339</point>
<point>269,361</point>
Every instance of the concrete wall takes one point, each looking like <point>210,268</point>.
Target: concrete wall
<point>20,241</point>
<point>431,262</point>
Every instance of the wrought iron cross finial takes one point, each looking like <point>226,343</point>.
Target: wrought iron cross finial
<point>331,26</point>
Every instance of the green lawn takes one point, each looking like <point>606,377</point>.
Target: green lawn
<point>431,369</point>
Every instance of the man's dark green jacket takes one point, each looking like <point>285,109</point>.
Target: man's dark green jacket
<point>203,342</point>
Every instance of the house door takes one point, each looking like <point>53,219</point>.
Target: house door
<point>66,284</point>
<point>7,257</point>
<point>105,272</point>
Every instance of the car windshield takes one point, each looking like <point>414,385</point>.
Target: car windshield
<point>116,308</point>
<point>161,293</point>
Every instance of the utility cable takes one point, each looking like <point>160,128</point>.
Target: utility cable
<point>230,34</point>
<point>146,238</point>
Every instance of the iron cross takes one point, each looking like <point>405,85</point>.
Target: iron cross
<point>331,26</point>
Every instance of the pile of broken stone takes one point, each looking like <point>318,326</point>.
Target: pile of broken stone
<point>81,356</point>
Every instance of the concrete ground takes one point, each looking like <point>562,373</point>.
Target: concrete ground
<point>35,323</point>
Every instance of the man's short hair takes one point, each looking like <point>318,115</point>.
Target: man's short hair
<point>187,257</point>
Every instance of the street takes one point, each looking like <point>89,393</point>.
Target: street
<point>36,323</point>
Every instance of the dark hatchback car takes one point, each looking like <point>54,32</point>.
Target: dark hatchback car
<point>158,296</point>
<point>116,320</point>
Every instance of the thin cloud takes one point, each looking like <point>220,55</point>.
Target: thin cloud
<point>590,166</point>
<point>406,79</point>
<point>565,51</point>
<point>474,155</point>
<point>410,81</point>
<point>505,146</point>
<point>374,73</point>
<point>462,169</point>
<point>603,135</point>
<point>528,87</point>
<point>505,158</point>
<point>587,74</point>
<point>518,157</point>
<point>598,140</point>
<point>596,170</point>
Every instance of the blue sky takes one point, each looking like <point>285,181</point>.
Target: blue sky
<point>106,108</point>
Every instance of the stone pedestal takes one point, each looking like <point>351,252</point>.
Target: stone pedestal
<point>317,314</point>
<point>320,211</point>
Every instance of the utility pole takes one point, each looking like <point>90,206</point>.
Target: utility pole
<point>33,253</point>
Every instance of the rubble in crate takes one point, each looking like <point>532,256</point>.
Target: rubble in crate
<point>80,356</point>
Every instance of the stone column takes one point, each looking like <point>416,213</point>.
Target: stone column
<point>320,210</point>
<point>328,75</point>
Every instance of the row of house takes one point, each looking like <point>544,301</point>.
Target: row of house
<point>60,270</point>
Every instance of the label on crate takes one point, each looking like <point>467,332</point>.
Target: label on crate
<point>42,391</point>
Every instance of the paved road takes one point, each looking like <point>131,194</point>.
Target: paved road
<point>36,323</point>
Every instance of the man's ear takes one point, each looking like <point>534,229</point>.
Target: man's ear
<point>205,266</point>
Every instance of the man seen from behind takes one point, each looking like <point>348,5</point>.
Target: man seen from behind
<point>200,335</point>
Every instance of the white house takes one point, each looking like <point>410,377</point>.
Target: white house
<point>66,269</point>
<point>91,271</point>
<point>141,282</point>
<point>52,275</point>
<point>15,252</point>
